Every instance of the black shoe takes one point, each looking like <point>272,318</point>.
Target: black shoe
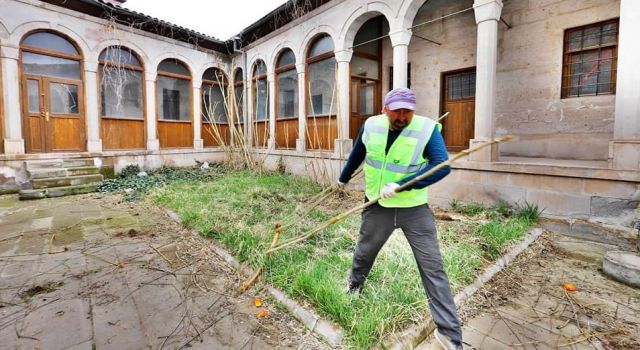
<point>354,288</point>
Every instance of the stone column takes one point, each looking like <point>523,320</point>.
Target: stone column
<point>487,14</point>
<point>13,141</point>
<point>400,41</point>
<point>624,150</point>
<point>92,110</point>
<point>302,118</point>
<point>248,118</point>
<point>343,144</point>
<point>272,100</point>
<point>198,142</point>
<point>153,144</point>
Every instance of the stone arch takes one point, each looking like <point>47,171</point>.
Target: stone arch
<point>142,55</point>
<point>358,17</point>
<point>252,65</point>
<point>277,51</point>
<point>4,32</point>
<point>215,65</point>
<point>21,31</point>
<point>407,13</point>
<point>311,36</point>
<point>187,62</point>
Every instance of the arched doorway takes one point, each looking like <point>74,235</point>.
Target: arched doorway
<point>53,106</point>
<point>260,105</point>
<point>322,127</point>
<point>286,100</point>
<point>366,73</point>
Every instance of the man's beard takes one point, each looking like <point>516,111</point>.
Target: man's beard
<point>398,125</point>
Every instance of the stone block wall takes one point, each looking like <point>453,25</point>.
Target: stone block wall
<point>571,194</point>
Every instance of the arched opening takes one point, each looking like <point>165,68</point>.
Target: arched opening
<point>287,100</point>
<point>173,86</point>
<point>260,104</point>
<point>215,108</point>
<point>322,128</point>
<point>122,96</point>
<point>238,105</point>
<point>366,73</point>
<point>52,86</point>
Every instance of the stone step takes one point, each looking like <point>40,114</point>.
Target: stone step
<point>588,251</point>
<point>57,191</point>
<point>623,266</point>
<point>59,163</point>
<point>66,181</point>
<point>43,173</point>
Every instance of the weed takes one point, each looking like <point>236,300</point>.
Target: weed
<point>529,211</point>
<point>473,208</point>
<point>41,289</point>
<point>129,170</point>
<point>455,205</point>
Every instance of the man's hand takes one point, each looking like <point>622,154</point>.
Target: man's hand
<point>389,190</point>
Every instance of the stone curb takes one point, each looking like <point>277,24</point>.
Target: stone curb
<point>331,333</point>
<point>416,334</point>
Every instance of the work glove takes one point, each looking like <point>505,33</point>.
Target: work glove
<point>389,190</point>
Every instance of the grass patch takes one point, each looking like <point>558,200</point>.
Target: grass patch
<point>241,208</point>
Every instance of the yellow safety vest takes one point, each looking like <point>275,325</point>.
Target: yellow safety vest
<point>405,158</point>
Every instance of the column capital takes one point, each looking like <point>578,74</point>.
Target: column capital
<point>9,52</point>
<point>91,66</point>
<point>300,67</point>
<point>487,10</point>
<point>150,76</point>
<point>197,84</point>
<point>343,55</point>
<point>400,37</point>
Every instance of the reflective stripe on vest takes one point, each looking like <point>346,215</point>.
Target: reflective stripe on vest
<point>405,158</point>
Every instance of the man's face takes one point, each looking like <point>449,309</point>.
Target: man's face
<point>399,118</point>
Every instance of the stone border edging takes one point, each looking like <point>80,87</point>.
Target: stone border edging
<point>331,333</point>
<point>414,335</point>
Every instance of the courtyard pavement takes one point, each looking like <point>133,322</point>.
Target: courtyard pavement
<point>526,306</point>
<point>86,272</point>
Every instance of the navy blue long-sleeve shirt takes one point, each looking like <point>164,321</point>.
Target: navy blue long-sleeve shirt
<point>435,152</point>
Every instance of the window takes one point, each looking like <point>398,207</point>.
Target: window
<point>460,86</point>
<point>590,60</point>
<point>238,87</point>
<point>121,82</point>
<point>214,93</point>
<point>321,70</point>
<point>174,91</point>
<point>260,92</point>
<point>287,86</point>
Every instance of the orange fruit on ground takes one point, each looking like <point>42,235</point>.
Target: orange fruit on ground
<point>569,287</point>
<point>257,302</point>
<point>262,314</point>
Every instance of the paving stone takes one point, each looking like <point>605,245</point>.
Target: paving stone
<point>72,324</point>
<point>115,325</point>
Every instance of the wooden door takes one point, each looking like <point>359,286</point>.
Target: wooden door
<point>458,98</point>
<point>365,102</point>
<point>53,116</point>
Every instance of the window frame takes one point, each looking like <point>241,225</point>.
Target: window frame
<point>140,69</point>
<point>565,78</point>
<point>175,76</point>
<point>255,77</point>
<point>216,84</point>
<point>279,70</point>
<point>309,60</point>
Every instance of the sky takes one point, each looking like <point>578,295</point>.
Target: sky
<point>217,18</point>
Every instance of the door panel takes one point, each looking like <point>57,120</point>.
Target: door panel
<point>34,113</point>
<point>365,102</point>
<point>458,98</point>
<point>65,125</point>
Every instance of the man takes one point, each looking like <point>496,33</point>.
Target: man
<point>396,147</point>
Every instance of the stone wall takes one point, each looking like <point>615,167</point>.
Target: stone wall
<point>528,74</point>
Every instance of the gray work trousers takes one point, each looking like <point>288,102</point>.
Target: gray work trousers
<point>418,225</point>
